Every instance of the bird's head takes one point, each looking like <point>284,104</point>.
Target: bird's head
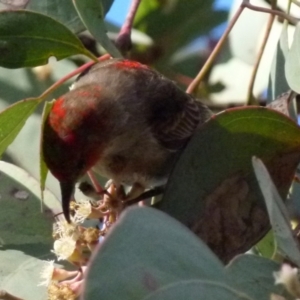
<point>74,135</point>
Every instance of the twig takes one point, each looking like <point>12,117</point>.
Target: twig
<point>258,60</point>
<point>98,188</point>
<point>123,41</point>
<point>270,11</point>
<point>149,194</point>
<point>245,4</point>
<point>195,83</point>
<point>58,83</point>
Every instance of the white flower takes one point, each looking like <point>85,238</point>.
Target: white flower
<point>83,210</point>
<point>285,274</point>
<point>288,276</point>
<point>63,228</point>
<point>50,274</point>
<point>47,273</point>
<point>64,247</point>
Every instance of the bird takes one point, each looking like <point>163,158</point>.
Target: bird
<point>122,119</point>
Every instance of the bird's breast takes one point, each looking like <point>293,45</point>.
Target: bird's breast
<point>147,166</point>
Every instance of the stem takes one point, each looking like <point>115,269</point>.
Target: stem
<point>270,11</point>
<point>58,83</point>
<point>194,84</point>
<point>95,182</point>
<point>148,194</point>
<point>245,4</point>
<point>123,40</point>
<point>258,59</point>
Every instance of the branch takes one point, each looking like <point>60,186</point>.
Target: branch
<point>123,41</point>
<point>195,83</point>
<point>250,96</point>
<point>79,70</point>
<point>270,11</point>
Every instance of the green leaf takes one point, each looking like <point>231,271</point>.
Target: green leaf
<point>277,80</point>
<point>23,226</point>
<point>28,39</point>
<point>147,250</point>
<point>173,24</point>
<point>278,86</point>
<point>63,11</point>
<point>13,119</point>
<point>277,213</point>
<point>213,189</point>
<point>292,65</point>
<point>43,166</point>
<point>17,266</point>
<point>196,289</point>
<point>25,232</point>
<point>91,13</point>
<point>267,246</point>
<point>253,275</point>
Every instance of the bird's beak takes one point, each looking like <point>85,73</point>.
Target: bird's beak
<point>67,188</point>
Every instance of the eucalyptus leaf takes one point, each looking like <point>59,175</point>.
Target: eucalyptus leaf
<point>25,43</point>
<point>267,247</point>
<point>253,275</point>
<point>277,79</point>
<point>23,226</point>
<point>20,275</point>
<point>292,65</point>
<point>91,13</point>
<point>213,189</point>
<point>13,119</point>
<point>277,213</point>
<point>197,289</point>
<point>174,24</point>
<point>145,251</point>
<point>63,11</point>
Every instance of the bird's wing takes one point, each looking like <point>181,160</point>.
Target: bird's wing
<point>175,124</point>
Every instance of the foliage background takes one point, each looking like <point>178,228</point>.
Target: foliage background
<point>175,37</point>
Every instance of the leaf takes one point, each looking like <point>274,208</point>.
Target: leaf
<point>213,189</point>
<point>63,11</point>
<point>174,24</point>
<point>292,65</point>
<point>253,275</point>
<point>277,80</point>
<point>17,266</point>
<point>13,119</point>
<point>267,246</point>
<point>25,43</point>
<point>277,213</point>
<point>145,251</point>
<point>43,166</point>
<point>92,15</point>
<point>277,96</point>
<point>22,225</point>
<point>25,232</point>
<point>193,289</point>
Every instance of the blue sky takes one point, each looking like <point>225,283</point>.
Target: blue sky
<point>119,9</point>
